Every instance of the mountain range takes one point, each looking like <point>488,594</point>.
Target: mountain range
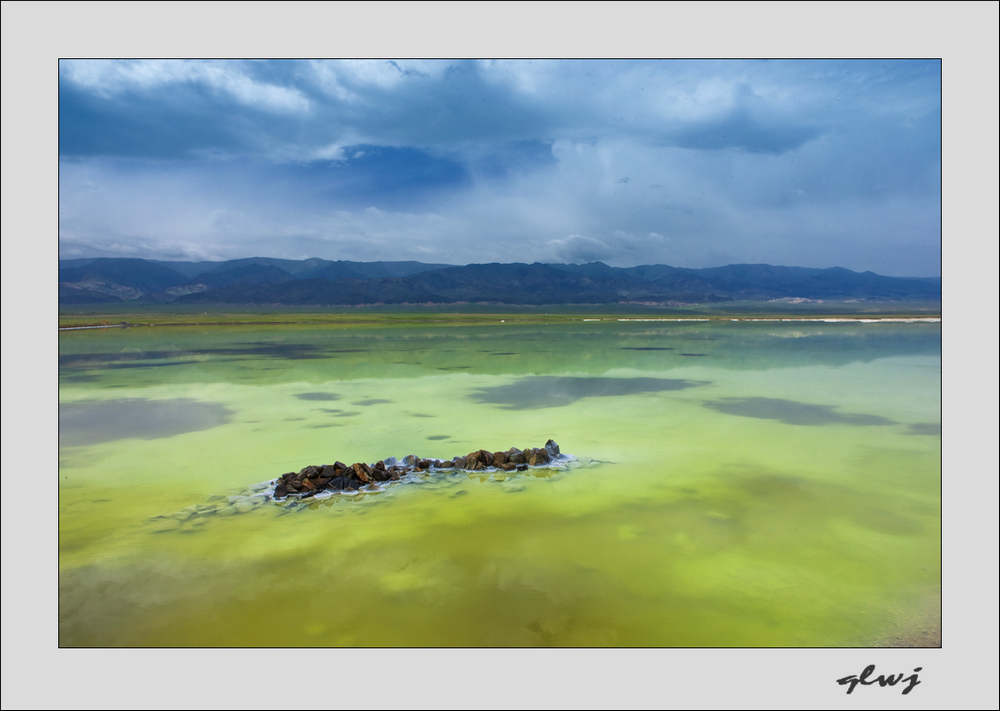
<point>308,282</point>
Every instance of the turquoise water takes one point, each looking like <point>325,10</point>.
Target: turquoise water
<point>738,484</point>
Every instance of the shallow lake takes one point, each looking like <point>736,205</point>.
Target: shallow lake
<point>736,484</point>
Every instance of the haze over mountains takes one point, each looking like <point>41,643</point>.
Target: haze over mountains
<point>320,282</point>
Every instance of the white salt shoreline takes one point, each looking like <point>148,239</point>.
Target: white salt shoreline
<point>936,319</point>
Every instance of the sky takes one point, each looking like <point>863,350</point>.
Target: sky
<point>691,163</point>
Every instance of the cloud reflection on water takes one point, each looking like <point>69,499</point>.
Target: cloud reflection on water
<point>555,391</point>
<point>791,412</point>
<point>94,421</point>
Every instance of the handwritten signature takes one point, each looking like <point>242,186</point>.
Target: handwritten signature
<point>882,679</point>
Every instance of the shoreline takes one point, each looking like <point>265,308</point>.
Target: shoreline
<point>69,323</point>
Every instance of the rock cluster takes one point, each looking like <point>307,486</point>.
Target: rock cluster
<point>341,477</point>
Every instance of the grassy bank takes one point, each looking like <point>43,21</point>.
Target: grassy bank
<point>183,315</point>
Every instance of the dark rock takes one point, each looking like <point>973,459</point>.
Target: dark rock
<point>340,477</point>
<point>537,457</point>
<point>362,471</point>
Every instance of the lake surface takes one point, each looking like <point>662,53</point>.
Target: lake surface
<point>736,484</point>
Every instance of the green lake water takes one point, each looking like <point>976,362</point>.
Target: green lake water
<point>737,484</point>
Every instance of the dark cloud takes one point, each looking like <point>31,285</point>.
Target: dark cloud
<point>747,126</point>
<point>502,160</point>
<point>380,176</point>
<point>742,131</point>
<point>577,249</point>
<point>691,163</point>
<point>179,119</point>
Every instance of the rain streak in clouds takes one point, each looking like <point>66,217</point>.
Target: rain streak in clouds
<point>689,163</point>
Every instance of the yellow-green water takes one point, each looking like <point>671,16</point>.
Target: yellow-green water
<point>753,485</point>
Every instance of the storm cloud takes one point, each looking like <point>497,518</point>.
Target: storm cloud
<point>689,163</point>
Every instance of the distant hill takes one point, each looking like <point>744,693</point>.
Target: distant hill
<point>110,279</point>
<point>262,280</point>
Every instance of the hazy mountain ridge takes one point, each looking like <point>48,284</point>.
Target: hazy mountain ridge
<point>262,280</point>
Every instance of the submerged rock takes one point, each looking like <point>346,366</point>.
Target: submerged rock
<point>163,524</point>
